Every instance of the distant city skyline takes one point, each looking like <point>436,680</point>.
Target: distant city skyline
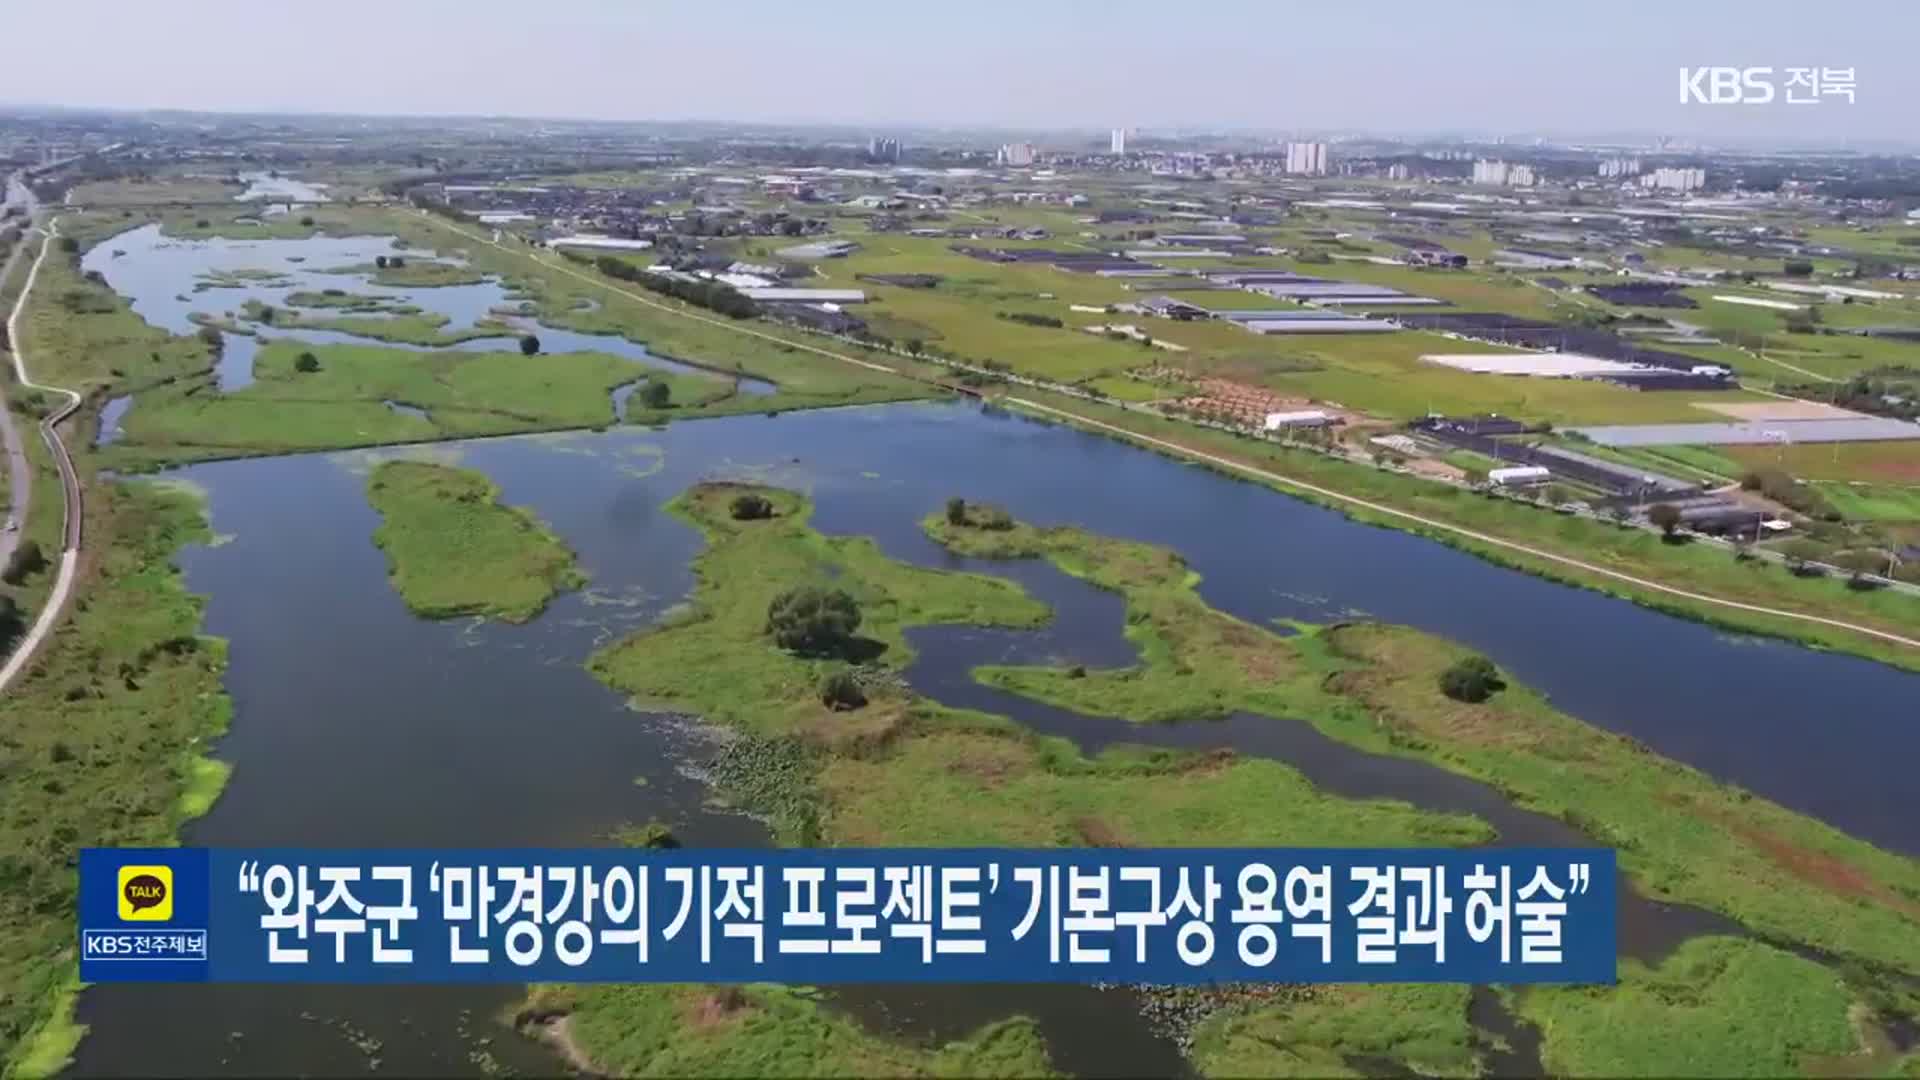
<point>1410,67</point>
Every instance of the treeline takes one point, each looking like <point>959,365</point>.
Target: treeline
<point>1778,485</point>
<point>700,292</point>
<point>442,207</point>
<point>1888,391</point>
<point>1032,319</point>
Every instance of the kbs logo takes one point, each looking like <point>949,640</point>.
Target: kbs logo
<point>1757,86</point>
<point>146,893</point>
<point>1726,86</point>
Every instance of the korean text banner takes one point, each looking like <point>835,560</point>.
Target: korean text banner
<point>847,915</point>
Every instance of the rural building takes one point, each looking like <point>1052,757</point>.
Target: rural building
<point>1303,418</point>
<point>1518,476</point>
<point>807,296</point>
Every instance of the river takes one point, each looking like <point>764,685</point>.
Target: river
<point>356,724</point>
<point>471,733</point>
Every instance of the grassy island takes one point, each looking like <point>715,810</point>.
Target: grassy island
<point>453,549</point>
<point>822,775</point>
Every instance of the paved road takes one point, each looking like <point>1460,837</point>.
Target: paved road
<point>50,612</point>
<point>19,473</point>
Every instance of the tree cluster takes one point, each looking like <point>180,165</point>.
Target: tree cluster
<point>1471,679</point>
<point>712,295</point>
<point>813,621</point>
<point>751,507</point>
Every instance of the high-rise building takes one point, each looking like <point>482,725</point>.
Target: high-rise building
<point>1399,171</point>
<point>1681,180</point>
<point>1119,142</point>
<point>1306,159</point>
<point>882,149</point>
<point>1618,167</point>
<point>1501,174</point>
<point>1018,154</point>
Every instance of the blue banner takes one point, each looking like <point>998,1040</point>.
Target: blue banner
<point>848,915</point>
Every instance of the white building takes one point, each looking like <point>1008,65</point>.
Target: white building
<point>1518,475</point>
<point>1306,159</point>
<point>1020,154</point>
<point>1304,418</point>
<point>1501,174</point>
<point>1681,180</point>
<point>1619,167</point>
<point>1119,143</point>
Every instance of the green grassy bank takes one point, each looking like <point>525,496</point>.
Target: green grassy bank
<point>453,549</point>
<point>104,745</point>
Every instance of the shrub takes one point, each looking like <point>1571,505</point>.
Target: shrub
<point>655,394</point>
<point>1666,516</point>
<point>990,517</point>
<point>840,691</point>
<point>26,559</point>
<point>1471,679</point>
<point>956,511</point>
<point>813,621</point>
<point>306,363</point>
<point>529,344</point>
<point>750,507</point>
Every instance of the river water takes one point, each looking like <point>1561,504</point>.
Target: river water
<point>167,280</point>
<point>356,724</point>
<point>465,733</point>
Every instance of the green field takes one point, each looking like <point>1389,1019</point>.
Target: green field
<point>104,747</point>
<point>1892,462</point>
<point>453,549</point>
<point>1869,502</point>
<point>765,1031</point>
<point>1720,1006</point>
<point>1695,567</point>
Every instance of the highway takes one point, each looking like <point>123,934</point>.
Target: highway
<point>50,612</point>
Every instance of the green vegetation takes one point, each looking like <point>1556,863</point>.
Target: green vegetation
<point>348,301</point>
<point>1420,1029</point>
<point>1720,1006</point>
<point>813,621</point>
<point>764,1031</point>
<point>825,776</point>
<point>453,549</point>
<point>1695,567</point>
<point>403,272</point>
<point>103,747</point>
<point>1680,834</point>
<point>1471,679</point>
<point>419,328</point>
<point>343,402</point>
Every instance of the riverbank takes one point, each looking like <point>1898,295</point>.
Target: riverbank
<point>106,744</point>
<point>1514,536</point>
<point>652,1030</point>
<point>1681,835</point>
<point>827,777</point>
<point>454,549</point>
<point>1700,569</point>
<point>192,403</point>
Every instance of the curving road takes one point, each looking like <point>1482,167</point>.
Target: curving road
<point>29,644</point>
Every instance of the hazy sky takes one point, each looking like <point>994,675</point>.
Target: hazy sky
<point>1380,65</point>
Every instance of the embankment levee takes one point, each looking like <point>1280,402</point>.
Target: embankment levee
<point>1891,638</point>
